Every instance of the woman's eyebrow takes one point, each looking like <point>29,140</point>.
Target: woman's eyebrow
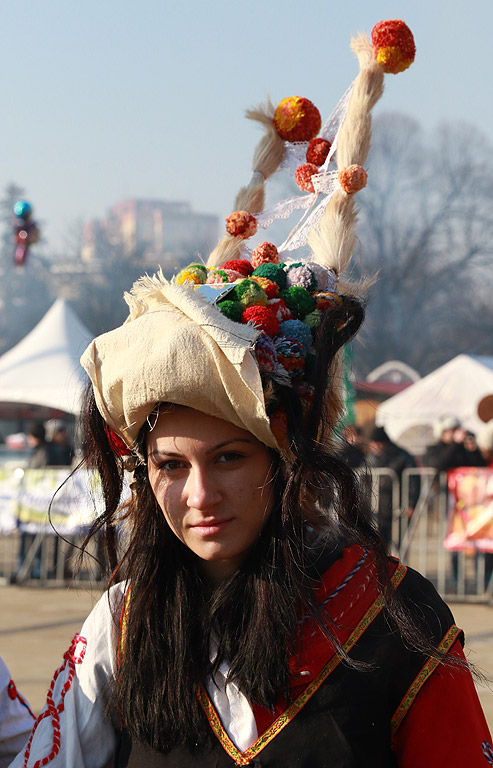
<point>228,442</point>
<point>173,454</point>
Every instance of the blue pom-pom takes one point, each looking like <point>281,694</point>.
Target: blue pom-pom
<point>298,331</point>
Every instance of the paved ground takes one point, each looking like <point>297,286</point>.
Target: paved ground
<point>37,626</point>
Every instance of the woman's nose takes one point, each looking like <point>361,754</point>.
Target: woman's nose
<point>201,490</point>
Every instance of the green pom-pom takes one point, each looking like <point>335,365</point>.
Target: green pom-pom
<point>313,319</point>
<point>298,300</point>
<point>249,293</point>
<point>232,309</point>
<point>273,272</point>
<point>198,266</point>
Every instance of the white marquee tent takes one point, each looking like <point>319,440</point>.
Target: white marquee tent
<point>43,369</point>
<point>454,389</point>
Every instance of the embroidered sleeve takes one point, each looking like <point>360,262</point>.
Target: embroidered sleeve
<point>440,721</point>
<point>16,718</point>
<point>74,729</point>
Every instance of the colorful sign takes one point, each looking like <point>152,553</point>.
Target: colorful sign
<point>470,516</point>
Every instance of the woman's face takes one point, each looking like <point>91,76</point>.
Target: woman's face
<point>213,482</point>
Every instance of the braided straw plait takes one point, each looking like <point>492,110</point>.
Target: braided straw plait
<point>266,160</point>
<point>333,242</point>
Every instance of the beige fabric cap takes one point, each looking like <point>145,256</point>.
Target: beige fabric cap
<point>175,347</point>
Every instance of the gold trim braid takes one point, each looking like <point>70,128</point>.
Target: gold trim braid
<point>418,682</point>
<point>244,758</point>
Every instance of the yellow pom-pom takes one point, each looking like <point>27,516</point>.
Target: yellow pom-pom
<point>190,275</point>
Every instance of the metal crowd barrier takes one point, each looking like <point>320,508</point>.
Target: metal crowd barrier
<point>465,576</point>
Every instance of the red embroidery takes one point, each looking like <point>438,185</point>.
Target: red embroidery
<point>73,656</point>
<point>14,694</point>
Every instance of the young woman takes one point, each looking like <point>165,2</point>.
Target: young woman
<point>252,617</point>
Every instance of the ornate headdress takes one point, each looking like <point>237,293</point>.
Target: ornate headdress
<point>207,338</point>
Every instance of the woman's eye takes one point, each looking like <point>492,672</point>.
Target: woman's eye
<point>226,458</point>
<point>171,465</point>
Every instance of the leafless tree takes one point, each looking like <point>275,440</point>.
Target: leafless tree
<point>426,229</point>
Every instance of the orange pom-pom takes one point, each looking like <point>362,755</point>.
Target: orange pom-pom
<point>353,178</point>
<point>393,44</point>
<point>317,151</point>
<point>297,119</point>
<point>241,224</point>
<point>303,176</point>
<point>263,318</point>
<point>265,253</point>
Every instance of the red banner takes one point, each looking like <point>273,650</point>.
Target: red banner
<point>470,509</point>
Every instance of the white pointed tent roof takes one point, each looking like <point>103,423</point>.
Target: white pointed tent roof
<point>454,389</point>
<point>43,369</point>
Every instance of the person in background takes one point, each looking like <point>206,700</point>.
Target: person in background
<point>61,450</point>
<point>383,453</point>
<point>448,452</point>
<point>485,444</point>
<point>40,458</point>
<point>41,451</point>
<point>472,452</point>
<point>351,451</point>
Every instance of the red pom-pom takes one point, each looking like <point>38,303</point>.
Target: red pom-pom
<point>262,318</point>
<point>317,151</point>
<point>243,266</point>
<point>297,119</point>
<point>303,176</point>
<point>241,224</point>
<point>268,286</point>
<point>117,443</point>
<point>266,253</point>
<point>353,178</point>
<point>393,44</point>
<point>281,310</point>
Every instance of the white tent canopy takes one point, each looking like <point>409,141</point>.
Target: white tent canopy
<point>454,389</point>
<point>43,369</point>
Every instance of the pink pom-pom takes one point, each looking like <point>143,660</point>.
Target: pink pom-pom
<point>303,176</point>
<point>353,178</point>
<point>241,224</point>
<point>262,318</point>
<point>266,253</point>
<point>301,274</point>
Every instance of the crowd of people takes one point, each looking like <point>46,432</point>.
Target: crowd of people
<point>454,447</point>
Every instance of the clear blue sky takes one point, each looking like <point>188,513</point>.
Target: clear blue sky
<point>104,100</point>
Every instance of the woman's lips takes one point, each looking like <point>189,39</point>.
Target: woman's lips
<point>210,527</point>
